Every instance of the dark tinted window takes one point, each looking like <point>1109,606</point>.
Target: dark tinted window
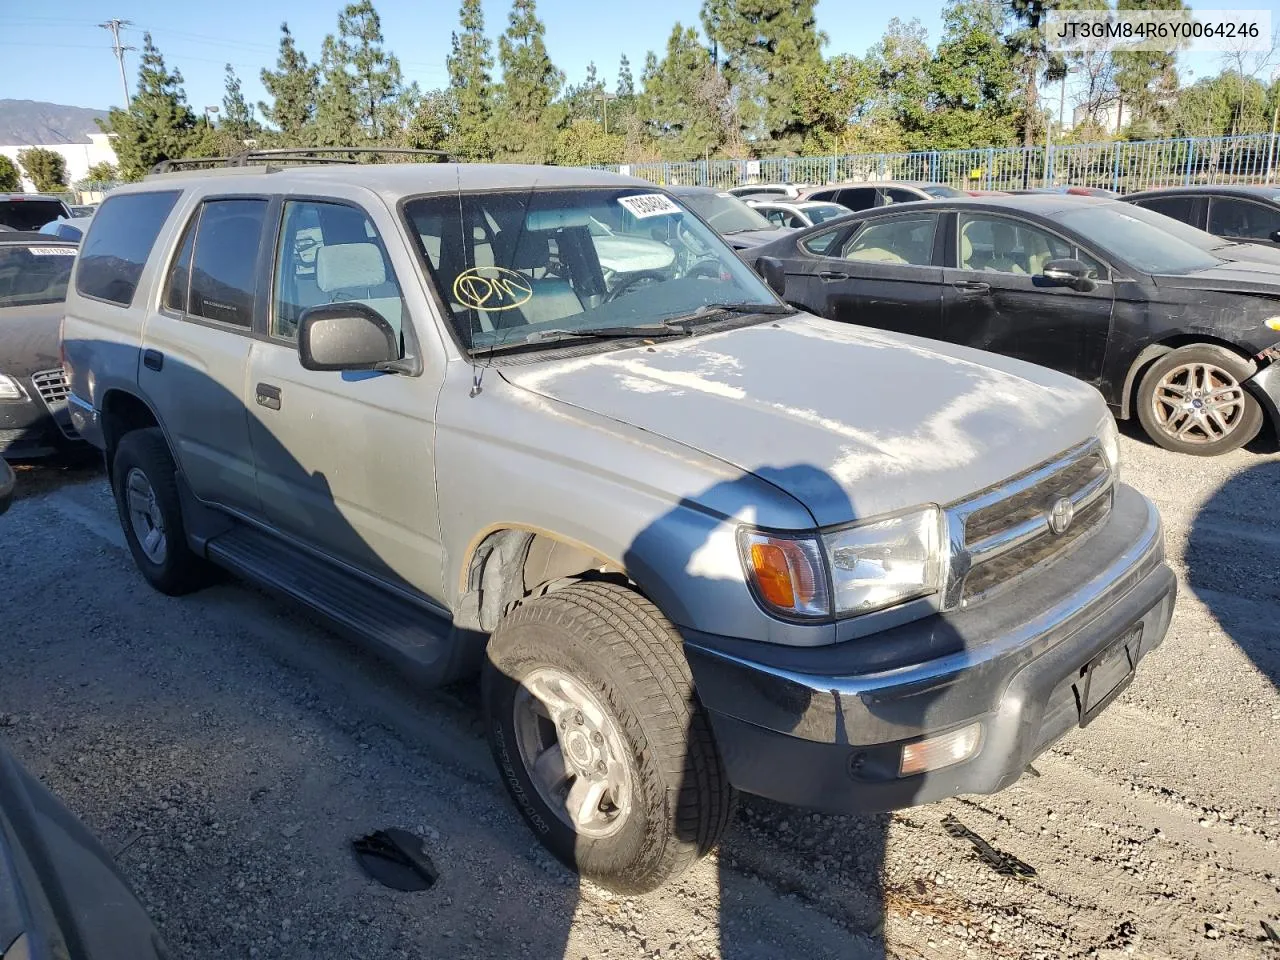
<point>1242,218</point>
<point>34,273</point>
<point>222,277</point>
<point>899,195</point>
<point>179,281</point>
<point>1180,208</point>
<point>120,239</point>
<point>31,214</point>
<point>857,198</point>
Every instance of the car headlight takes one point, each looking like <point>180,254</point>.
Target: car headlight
<point>11,389</point>
<point>1272,323</point>
<point>869,566</point>
<point>1109,437</point>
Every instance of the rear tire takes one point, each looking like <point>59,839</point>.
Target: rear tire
<point>1192,400</point>
<point>595,672</point>
<point>144,480</point>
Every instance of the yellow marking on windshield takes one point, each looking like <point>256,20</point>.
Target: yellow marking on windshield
<point>491,288</point>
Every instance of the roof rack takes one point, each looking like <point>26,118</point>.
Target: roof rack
<point>292,156</point>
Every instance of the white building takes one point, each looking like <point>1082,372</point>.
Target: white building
<point>79,156</point>
<point>1108,117</point>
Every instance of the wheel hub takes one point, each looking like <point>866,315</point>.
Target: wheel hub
<point>145,517</point>
<point>1198,403</point>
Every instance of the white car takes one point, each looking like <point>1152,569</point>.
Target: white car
<point>799,213</point>
<point>792,190</point>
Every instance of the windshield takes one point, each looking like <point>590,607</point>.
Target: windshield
<point>942,191</point>
<point>1179,228</point>
<point>822,212</point>
<point>30,214</point>
<point>34,273</point>
<point>1136,236</point>
<point>514,266</point>
<point>725,213</point>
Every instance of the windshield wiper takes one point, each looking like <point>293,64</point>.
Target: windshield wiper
<point>711,309</point>
<point>646,331</point>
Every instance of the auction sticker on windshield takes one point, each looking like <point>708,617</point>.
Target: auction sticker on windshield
<point>52,251</point>
<point>646,205</point>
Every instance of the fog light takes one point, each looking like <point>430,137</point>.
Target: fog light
<point>942,751</point>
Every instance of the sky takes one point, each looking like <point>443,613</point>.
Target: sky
<point>59,54</point>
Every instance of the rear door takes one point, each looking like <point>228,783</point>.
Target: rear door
<point>879,273</point>
<point>1244,221</point>
<point>997,298</point>
<point>855,198</point>
<point>1189,209</point>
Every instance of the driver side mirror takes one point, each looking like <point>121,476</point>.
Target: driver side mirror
<point>345,336</point>
<point>1069,273</point>
<point>774,274</point>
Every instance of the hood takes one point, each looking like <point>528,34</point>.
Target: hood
<point>852,422</point>
<point>1237,276</point>
<point>1256,252</point>
<point>755,238</point>
<point>29,338</point>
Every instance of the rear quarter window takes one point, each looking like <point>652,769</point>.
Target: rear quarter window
<point>120,239</point>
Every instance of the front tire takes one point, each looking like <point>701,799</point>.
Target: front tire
<point>600,739</point>
<point>144,480</point>
<point>1193,400</point>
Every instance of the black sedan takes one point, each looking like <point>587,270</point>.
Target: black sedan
<point>1245,215</point>
<point>1166,330</point>
<point>728,216</point>
<point>34,422</point>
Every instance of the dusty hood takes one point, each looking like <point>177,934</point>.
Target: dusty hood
<point>1238,276</point>
<point>748,239</point>
<point>889,421</point>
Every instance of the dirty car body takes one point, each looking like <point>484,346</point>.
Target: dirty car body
<point>897,569</point>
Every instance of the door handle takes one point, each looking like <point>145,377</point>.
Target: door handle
<point>268,396</point>
<point>972,286</point>
<point>152,359</point>
<point>833,275</point>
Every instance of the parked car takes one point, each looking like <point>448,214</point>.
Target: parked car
<point>693,540</point>
<point>60,894</point>
<point>72,229</point>
<point>34,270</point>
<point>30,211</point>
<point>864,196</point>
<point>1243,214</point>
<point>1167,331</point>
<point>728,216</point>
<point>83,209</point>
<point>1070,190</point>
<point>791,191</point>
<point>802,213</point>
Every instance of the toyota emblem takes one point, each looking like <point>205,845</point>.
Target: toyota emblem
<point>1060,515</point>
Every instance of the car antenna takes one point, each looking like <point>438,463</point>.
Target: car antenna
<point>477,371</point>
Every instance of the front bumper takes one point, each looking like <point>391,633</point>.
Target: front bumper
<point>37,425</point>
<point>1265,386</point>
<point>807,727</point>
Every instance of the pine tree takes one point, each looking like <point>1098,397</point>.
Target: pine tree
<point>680,98</point>
<point>1033,59</point>
<point>378,86</point>
<point>337,119</point>
<point>769,50</point>
<point>294,87</point>
<point>1146,79</point>
<point>584,99</point>
<point>432,123</point>
<point>527,112</point>
<point>46,169</point>
<point>9,178</point>
<point>470,64</point>
<point>626,82</point>
<point>237,116</point>
<point>158,125</point>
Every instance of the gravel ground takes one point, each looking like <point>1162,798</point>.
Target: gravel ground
<point>227,749</point>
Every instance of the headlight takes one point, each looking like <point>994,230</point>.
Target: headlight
<point>786,572</point>
<point>1272,323</point>
<point>885,562</point>
<point>1109,437</point>
<point>11,389</point>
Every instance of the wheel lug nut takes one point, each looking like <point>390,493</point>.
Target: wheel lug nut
<point>596,738</point>
<point>578,718</point>
<point>601,768</point>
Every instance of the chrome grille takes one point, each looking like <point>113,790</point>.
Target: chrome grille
<point>1003,534</point>
<point>52,386</point>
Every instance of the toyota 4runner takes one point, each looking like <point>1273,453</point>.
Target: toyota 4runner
<point>542,424</point>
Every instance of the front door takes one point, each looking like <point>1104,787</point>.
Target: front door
<point>345,461</point>
<point>997,297</point>
<point>881,275</point>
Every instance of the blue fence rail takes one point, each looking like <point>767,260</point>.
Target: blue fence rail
<point>1124,167</point>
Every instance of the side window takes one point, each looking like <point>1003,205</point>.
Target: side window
<point>775,216</point>
<point>794,220</point>
<point>178,284</point>
<point>823,244</point>
<point>998,245</point>
<point>904,240</point>
<point>120,239</point>
<point>1242,218</point>
<point>898,195</point>
<point>1180,208</point>
<point>330,253</point>
<point>855,198</point>
<point>223,263</point>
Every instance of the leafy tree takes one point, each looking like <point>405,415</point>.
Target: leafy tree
<point>1032,59</point>
<point>904,85</point>
<point>527,113</point>
<point>1221,105</point>
<point>101,172</point>
<point>770,49</point>
<point>972,80</point>
<point>47,169</point>
<point>293,87</point>
<point>584,143</point>
<point>158,124</point>
<point>1146,79</point>
<point>237,116</point>
<point>470,65</point>
<point>9,177</point>
<point>626,82</point>
<point>337,116</point>
<point>432,126</point>
<point>679,98</point>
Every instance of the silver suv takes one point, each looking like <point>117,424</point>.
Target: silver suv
<point>541,424</point>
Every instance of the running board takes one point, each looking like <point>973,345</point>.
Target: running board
<point>408,634</point>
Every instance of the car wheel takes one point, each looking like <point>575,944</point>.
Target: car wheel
<point>145,483</point>
<point>600,739</point>
<point>1193,400</point>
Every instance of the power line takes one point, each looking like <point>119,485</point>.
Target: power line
<point>114,26</point>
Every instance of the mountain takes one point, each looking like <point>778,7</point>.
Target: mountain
<point>33,121</point>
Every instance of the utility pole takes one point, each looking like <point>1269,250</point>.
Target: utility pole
<point>114,26</point>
